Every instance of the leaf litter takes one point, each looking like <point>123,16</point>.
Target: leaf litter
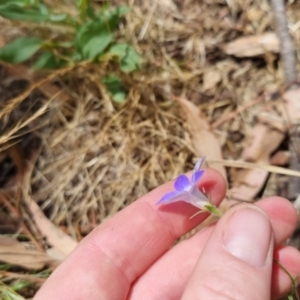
<point>23,254</point>
<point>251,46</point>
<point>95,157</point>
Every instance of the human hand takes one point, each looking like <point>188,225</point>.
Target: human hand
<point>130,256</point>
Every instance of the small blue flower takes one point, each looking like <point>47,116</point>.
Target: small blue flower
<point>187,190</point>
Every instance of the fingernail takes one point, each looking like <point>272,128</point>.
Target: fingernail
<point>248,236</point>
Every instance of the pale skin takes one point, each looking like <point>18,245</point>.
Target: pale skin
<point>130,256</point>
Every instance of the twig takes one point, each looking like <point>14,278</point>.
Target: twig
<point>287,51</point>
<point>289,64</point>
<point>247,165</point>
<point>148,21</point>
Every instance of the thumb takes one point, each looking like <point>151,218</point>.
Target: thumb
<point>236,262</point>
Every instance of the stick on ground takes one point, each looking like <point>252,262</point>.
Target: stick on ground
<point>287,51</point>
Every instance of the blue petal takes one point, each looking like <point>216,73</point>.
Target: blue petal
<point>168,196</point>
<point>182,183</point>
<point>196,176</point>
<point>174,196</point>
<point>199,164</point>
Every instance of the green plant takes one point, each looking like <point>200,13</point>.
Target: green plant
<point>92,38</point>
<point>7,293</point>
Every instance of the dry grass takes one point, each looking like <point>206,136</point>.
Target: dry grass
<point>108,155</point>
<point>96,157</point>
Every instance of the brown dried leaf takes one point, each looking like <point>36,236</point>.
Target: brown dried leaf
<point>23,254</point>
<point>253,45</point>
<point>290,106</point>
<point>55,254</point>
<point>204,139</point>
<point>211,78</point>
<point>54,236</point>
<point>265,139</point>
<point>280,158</point>
<point>249,184</point>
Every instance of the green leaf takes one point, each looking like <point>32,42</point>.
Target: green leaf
<point>114,16</point>
<point>20,49</point>
<point>86,10</point>
<point>128,57</point>
<point>76,56</point>
<point>118,12</point>
<point>93,38</point>
<point>51,17</point>
<point>96,35</point>
<point>57,17</point>
<point>43,8</point>
<point>82,6</point>
<point>22,12</point>
<point>21,284</point>
<point>90,12</point>
<point>48,61</point>
<point>16,12</point>
<point>19,2</point>
<point>115,88</point>
<point>81,3</point>
<point>6,293</point>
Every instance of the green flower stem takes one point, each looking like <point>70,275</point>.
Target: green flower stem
<point>213,210</point>
<point>294,290</point>
<point>209,208</point>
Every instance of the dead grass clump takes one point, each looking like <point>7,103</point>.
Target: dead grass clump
<point>98,158</point>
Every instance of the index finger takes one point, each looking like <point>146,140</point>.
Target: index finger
<point>116,253</point>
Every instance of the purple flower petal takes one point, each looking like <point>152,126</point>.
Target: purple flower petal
<point>182,183</point>
<point>199,164</point>
<point>174,196</point>
<point>186,190</point>
<point>196,176</point>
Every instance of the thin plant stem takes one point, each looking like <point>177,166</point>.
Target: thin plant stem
<point>294,290</point>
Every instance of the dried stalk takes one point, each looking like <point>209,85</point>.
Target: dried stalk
<point>287,51</point>
<point>289,64</point>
